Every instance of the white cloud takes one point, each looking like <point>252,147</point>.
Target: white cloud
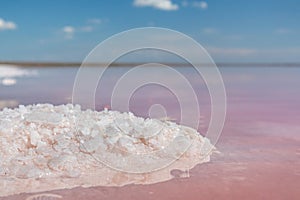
<point>69,29</point>
<point>200,4</point>
<point>69,32</point>
<point>158,4</point>
<point>90,25</point>
<point>7,25</point>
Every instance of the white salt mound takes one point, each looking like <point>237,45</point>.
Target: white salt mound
<point>45,147</point>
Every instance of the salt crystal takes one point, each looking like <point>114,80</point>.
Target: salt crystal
<point>34,138</point>
<point>127,143</point>
<point>44,117</point>
<point>93,144</point>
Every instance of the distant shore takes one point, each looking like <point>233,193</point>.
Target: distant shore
<point>131,64</point>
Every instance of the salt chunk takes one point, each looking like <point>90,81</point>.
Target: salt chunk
<point>112,140</point>
<point>66,142</point>
<point>93,144</point>
<point>124,124</point>
<point>85,131</point>
<point>22,109</point>
<point>25,172</point>
<point>44,117</point>
<point>127,144</point>
<point>62,163</point>
<point>34,138</point>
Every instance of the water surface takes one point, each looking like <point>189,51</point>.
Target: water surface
<point>259,146</point>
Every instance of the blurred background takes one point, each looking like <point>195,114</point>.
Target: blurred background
<point>255,44</point>
<point>231,31</point>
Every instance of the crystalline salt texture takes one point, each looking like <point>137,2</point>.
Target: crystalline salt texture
<point>34,138</point>
<point>44,117</point>
<point>126,143</point>
<point>93,144</point>
<point>40,141</point>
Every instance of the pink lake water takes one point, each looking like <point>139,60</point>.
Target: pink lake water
<point>259,146</point>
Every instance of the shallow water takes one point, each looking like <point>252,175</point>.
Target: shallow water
<point>260,153</point>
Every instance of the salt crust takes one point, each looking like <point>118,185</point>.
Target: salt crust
<point>45,147</point>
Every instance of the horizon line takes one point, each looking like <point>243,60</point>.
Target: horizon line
<point>132,64</point>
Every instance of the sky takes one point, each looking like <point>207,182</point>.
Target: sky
<point>230,30</point>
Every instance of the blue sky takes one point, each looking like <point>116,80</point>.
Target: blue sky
<point>231,30</point>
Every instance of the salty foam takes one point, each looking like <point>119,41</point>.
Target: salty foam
<point>45,147</point>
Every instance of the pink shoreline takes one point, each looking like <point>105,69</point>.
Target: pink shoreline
<point>245,169</point>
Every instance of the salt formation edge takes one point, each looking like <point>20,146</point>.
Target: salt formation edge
<point>46,147</point>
